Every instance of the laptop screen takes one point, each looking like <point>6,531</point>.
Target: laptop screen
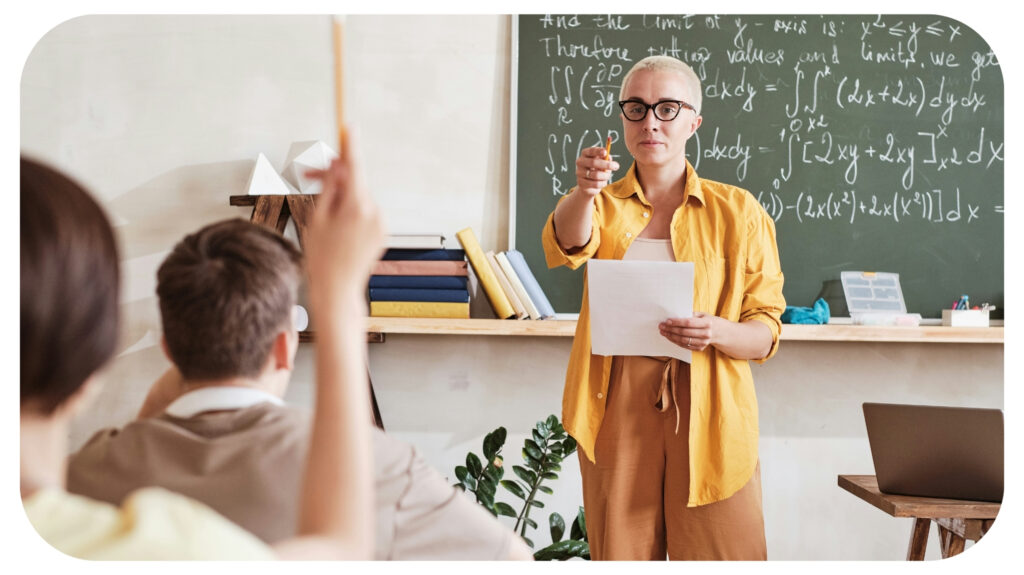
<point>937,451</point>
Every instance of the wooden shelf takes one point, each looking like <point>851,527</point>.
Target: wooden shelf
<point>378,327</point>
<point>543,328</point>
<point>870,333</point>
<point>242,200</point>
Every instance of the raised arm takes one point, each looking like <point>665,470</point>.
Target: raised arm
<point>345,238</point>
<point>573,215</point>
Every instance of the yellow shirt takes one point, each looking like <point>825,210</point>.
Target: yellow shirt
<point>731,241</point>
<point>151,524</point>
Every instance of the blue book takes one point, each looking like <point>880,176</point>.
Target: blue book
<point>434,282</point>
<point>411,254</point>
<point>411,294</point>
<point>530,283</point>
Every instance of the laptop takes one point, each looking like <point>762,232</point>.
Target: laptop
<point>935,451</point>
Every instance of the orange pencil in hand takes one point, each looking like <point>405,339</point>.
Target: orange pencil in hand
<point>608,149</point>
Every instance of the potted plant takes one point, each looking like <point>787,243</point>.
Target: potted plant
<point>543,453</point>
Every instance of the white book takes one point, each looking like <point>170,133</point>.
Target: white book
<point>506,286</point>
<point>517,285</point>
<point>416,241</point>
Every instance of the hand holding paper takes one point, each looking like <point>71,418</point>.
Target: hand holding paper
<point>693,333</point>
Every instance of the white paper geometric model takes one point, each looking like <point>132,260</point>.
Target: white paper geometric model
<point>303,156</point>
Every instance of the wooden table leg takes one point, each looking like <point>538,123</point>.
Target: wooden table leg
<point>373,403</point>
<point>950,543</point>
<point>919,539</point>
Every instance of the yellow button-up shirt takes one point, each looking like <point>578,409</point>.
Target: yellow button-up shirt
<point>731,241</point>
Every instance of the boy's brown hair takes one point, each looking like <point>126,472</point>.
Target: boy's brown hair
<point>225,292</point>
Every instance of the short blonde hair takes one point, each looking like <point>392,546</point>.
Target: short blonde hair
<point>669,64</point>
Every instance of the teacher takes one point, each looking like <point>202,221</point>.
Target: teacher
<point>668,450</point>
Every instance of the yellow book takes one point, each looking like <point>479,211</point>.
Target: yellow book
<point>488,281</point>
<point>419,309</point>
<point>513,278</point>
<point>505,286</point>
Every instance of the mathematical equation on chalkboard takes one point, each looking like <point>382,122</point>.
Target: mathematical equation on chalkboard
<point>822,118</point>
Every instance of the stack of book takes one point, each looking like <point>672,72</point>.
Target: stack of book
<point>506,279</point>
<point>420,281</point>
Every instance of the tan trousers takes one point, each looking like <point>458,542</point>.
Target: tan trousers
<point>635,495</point>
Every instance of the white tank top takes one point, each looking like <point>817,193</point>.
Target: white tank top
<point>650,250</point>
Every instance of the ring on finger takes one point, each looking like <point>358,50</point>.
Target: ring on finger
<point>689,341</point>
<point>588,173</point>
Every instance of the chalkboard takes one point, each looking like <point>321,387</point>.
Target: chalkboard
<point>874,142</point>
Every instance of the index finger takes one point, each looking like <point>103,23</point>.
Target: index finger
<point>679,322</point>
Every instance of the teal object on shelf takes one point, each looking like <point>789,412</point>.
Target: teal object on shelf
<point>818,314</point>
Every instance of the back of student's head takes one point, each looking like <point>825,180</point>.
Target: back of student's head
<point>225,292</point>
<point>69,287</point>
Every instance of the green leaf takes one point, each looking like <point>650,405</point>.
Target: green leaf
<point>486,499</point>
<point>552,466</point>
<point>528,542</point>
<point>461,472</point>
<point>579,526</point>
<point>569,445</point>
<point>533,463</point>
<point>525,474</point>
<point>552,422</point>
<point>460,487</point>
<point>549,475</point>
<point>537,436</point>
<point>531,448</point>
<point>574,532</point>
<point>537,503</point>
<point>563,550</point>
<point>487,486</point>
<point>545,489</point>
<point>530,522</point>
<point>557,527</point>
<point>473,464</point>
<point>493,473</point>
<point>514,488</point>
<point>493,443</point>
<point>505,509</point>
<point>470,483</point>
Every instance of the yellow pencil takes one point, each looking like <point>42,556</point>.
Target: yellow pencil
<point>608,149</point>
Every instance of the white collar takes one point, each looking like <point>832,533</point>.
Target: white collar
<point>219,398</point>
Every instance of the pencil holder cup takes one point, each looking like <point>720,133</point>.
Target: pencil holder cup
<point>965,317</point>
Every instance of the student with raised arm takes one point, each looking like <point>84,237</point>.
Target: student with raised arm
<point>215,427</point>
<point>668,449</point>
<point>69,325</point>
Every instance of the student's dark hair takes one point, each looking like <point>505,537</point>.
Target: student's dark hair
<point>225,292</point>
<point>69,287</point>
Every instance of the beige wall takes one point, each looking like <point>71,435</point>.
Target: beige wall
<point>162,117</point>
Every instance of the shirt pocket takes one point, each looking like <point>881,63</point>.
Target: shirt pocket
<point>719,287</point>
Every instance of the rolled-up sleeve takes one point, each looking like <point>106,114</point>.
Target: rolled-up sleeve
<point>555,256</point>
<point>762,295</point>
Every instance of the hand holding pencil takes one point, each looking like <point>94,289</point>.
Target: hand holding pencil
<point>594,169</point>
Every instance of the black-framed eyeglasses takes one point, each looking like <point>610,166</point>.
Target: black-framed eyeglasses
<point>664,110</point>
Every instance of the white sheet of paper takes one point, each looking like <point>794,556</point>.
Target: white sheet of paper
<point>628,299</point>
